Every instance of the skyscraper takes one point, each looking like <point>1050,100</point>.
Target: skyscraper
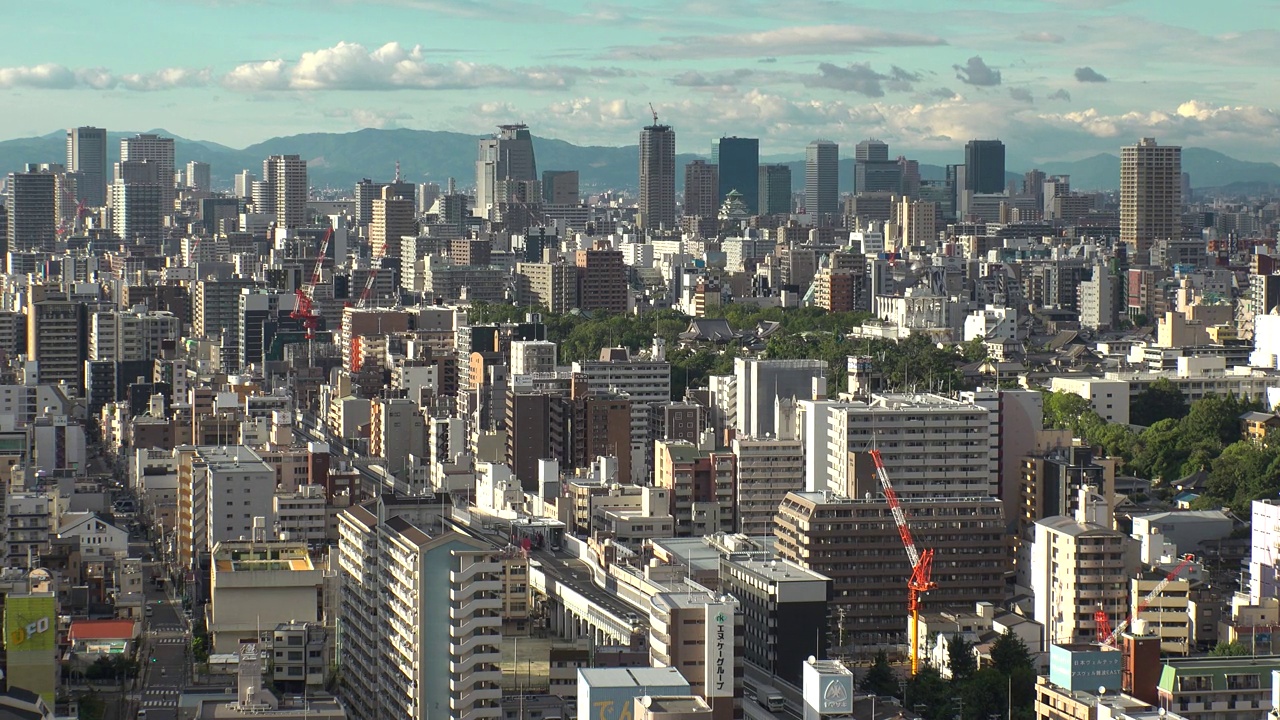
<point>287,175</point>
<point>560,187</point>
<point>507,155</point>
<point>32,209</point>
<point>87,156</point>
<point>199,176</point>
<point>738,160</point>
<point>657,177</point>
<point>1150,195</point>
<point>873,171</point>
<point>984,166</point>
<point>821,177</point>
<point>700,189</point>
<point>775,190</point>
<point>158,150</point>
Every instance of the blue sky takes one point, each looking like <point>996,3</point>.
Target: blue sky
<point>1056,79</point>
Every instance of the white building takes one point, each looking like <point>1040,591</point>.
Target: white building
<point>644,379</point>
<point>1109,397</point>
<point>1264,554</point>
<point>121,336</point>
<point>761,383</point>
<point>221,489</point>
<point>99,539</point>
<point>768,469</point>
<point>1097,299</point>
<point>29,521</point>
<point>532,356</point>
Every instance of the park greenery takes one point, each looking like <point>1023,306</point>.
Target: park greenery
<point>1176,440</point>
<point>972,692</point>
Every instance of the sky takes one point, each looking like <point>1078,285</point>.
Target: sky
<point>1054,79</point>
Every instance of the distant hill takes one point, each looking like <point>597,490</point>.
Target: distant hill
<point>338,160</point>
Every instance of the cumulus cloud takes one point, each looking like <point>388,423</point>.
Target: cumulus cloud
<point>1041,37</point>
<point>1021,95</point>
<point>724,79</point>
<point>1191,119</point>
<point>807,40</point>
<point>1089,75</point>
<point>51,76</point>
<point>942,93</point>
<point>364,118</point>
<point>350,66</point>
<point>862,79</point>
<point>1059,94</point>
<point>976,72</point>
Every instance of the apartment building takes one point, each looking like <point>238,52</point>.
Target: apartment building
<point>1077,568</point>
<point>700,634</point>
<point>645,379</point>
<point>768,469</point>
<point>701,485</point>
<point>221,489</point>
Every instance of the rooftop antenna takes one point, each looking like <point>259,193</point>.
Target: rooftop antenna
<point>397,172</point>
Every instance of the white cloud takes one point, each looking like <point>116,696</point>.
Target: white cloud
<point>1041,37</point>
<point>1190,121</point>
<point>364,118</point>
<point>52,76</point>
<point>805,40</point>
<point>350,66</point>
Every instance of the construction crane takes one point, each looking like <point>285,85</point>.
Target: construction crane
<point>1107,636</point>
<point>921,580</point>
<point>367,293</point>
<point>654,113</point>
<point>305,309</point>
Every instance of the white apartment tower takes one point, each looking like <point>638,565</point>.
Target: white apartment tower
<point>158,150</point>
<point>287,176</point>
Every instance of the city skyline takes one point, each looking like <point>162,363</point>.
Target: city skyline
<point>1063,81</point>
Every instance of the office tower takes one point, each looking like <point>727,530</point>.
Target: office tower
<point>287,175</point>
<point>128,335</point>
<point>244,184</point>
<point>560,187</point>
<point>262,195</point>
<point>57,335</point>
<point>32,210</point>
<point>821,178</point>
<point>984,166</point>
<point>391,219</point>
<point>602,280</point>
<point>366,192</point>
<point>787,606</point>
<point>553,286</point>
<point>158,150</point>
<point>700,190</point>
<point>428,193</point>
<point>873,170</point>
<point>420,614</point>
<point>657,208</point>
<point>1150,196</point>
<point>775,190</point>
<point>198,176</point>
<point>738,160</point>
<point>508,155</point>
<point>910,170</point>
<point>87,157</point>
<point>137,205</point>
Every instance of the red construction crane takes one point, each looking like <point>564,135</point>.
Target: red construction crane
<point>921,580</point>
<point>367,293</point>
<point>1107,636</point>
<point>305,310</point>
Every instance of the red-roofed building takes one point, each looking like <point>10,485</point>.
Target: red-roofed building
<point>101,637</point>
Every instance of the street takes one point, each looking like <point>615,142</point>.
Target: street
<point>164,656</point>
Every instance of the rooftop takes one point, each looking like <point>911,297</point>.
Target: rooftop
<point>102,630</point>
<point>675,704</point>
<point>637,677</point>
<point>247,556</point>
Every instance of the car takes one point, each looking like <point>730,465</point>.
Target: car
<point>150,611</point>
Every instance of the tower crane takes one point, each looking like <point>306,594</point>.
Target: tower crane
<point>654,113</point>
<point>305,310</point>
<point>1107,636</point>
<point>921,580</point>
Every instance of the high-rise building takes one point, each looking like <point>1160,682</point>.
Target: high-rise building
<point>508,155</point>
<point>87,156</point>
<point>1077,568</point>
<point>57,335</point>
<point>984,166</point>
<point>602,280</point>
<point>775,190</point>
<point>873,171</point>
<point>560,187</point>
<point>199,177</point>
<point>137,210</point>
<point>553,286</point>
<point>646,379</point>
<point>657,208</point>
<point>1150,196</point>
<point>244,184</point>
<point>158,150</point>
<point>762,383</point>
<point>738,160</point>
<point>287,175</point>
<point>700,189</point>
<point>31,207</point>
<point>821,178</point>
<point>391,219</point>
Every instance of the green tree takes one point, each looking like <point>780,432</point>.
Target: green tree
<point>1063,409</point>
<point>1162,400</point>
<point>986,694</point>
<point>1229,649</point>
<point>1009,653</point>
<point>974,351</point>
<point>928,691</point>
<point>880,678</point>
<point>960,658</point>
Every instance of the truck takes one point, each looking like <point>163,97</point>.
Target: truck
<point>770,699</point>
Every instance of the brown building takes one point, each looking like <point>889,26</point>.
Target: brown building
<point>841,290</point>
<point>678,636</point>
<point>857,545</point>
<point>703,486</point>
<point>173,298</point>
<point>677,421</point>
<point>602,280</point>
<point>470,251</point>
<point>359,324</point>
<point>393,218</point>
<point>603,428</point>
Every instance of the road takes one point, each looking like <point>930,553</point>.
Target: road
<point>164,656</point>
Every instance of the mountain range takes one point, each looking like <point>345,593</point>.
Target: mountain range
<point>338,160</point>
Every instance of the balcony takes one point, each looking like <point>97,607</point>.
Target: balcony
<point>458,593</point>
<point>476,607</point>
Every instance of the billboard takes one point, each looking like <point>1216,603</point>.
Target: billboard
<point>29,623</point>
<point>30,638</point>
<point>720,652</point>
<point>1084,667</point>
<point>828,688</point>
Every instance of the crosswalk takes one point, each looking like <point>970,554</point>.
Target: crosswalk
<point>160,698</point>
<point>167,629</point>
<point>170,641</point>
